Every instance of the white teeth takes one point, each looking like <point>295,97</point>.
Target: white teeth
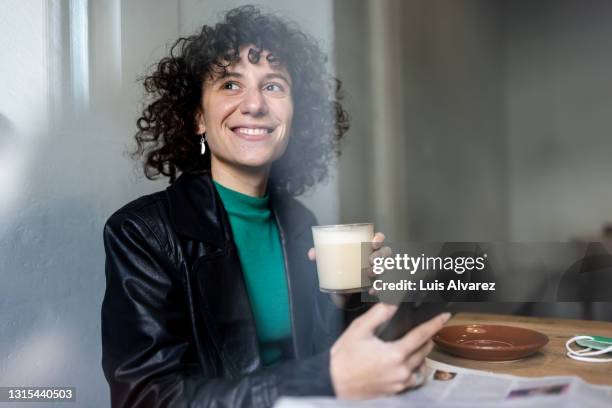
<point>251,131</point>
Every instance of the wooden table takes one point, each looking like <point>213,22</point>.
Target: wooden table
<point>550,360</point>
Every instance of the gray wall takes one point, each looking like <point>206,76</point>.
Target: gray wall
<point>559,121</point>
<point>64,170</point>
<point>559,129</point>
<point>356,162</point>
<point>505,130</point>
<point>448,176</point>
<point>454,120</point>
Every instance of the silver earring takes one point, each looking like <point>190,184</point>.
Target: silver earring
<point>203,143</point>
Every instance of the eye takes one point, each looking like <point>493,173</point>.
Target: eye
<point>274,87</point>
<point>230,85</point>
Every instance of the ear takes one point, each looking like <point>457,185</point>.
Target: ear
<point>200,125</point>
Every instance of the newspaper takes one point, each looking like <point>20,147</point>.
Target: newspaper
<point>450,386</point>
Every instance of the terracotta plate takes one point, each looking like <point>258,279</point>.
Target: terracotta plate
<point>489,342</point>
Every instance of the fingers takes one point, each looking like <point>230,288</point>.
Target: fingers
<point>418,376</point>
<point>383,252</point>
<point>312,254</point>
<point>410,377</point>
<point>420,335</point>
<point>367,323</point>
<point>378,240</point>
<point>418,357</point>
<point>378,251</point>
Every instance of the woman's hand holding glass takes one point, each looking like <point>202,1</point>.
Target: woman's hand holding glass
<point>378,250</point>
<point>364,366</point>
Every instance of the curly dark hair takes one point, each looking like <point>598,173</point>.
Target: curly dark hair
<point>166,136</point>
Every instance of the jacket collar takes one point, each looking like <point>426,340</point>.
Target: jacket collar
<point>196,210</point>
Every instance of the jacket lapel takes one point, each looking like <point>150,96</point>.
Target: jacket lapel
<point>294,223</point>
<point>227,312</point>
<point>216,280</point>
<point>196,209</point>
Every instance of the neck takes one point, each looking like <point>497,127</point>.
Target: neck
<point>252,182</point>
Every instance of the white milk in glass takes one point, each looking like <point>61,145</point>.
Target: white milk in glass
<point>339,255</point>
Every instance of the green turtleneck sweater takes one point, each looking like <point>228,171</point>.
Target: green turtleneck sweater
<point>261,256</point>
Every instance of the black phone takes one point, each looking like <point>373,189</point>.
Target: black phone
<point>407,316</point>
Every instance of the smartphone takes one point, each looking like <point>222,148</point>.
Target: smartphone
<point>408,316</point>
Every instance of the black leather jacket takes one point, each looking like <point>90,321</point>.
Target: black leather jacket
<point>177,326</point>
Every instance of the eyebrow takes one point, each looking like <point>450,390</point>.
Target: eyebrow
<point>271,75</point>
<point>277,75</point>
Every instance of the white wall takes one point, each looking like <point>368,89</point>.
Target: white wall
<point>23,100</point>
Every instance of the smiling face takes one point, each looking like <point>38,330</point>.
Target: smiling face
<point>246,114</point>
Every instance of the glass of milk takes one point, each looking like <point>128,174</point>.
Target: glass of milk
<point>341,257</point>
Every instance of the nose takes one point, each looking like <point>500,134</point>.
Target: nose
<point>254,103</point>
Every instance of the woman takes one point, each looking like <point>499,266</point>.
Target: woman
<point>211,298</point>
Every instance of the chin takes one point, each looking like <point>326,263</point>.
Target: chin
<point>258,160</point>
<point>256,163</point>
